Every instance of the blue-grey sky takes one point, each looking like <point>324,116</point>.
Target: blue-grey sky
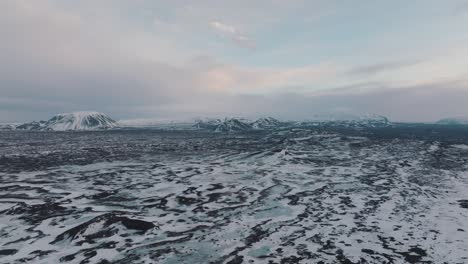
<point>407,60</point>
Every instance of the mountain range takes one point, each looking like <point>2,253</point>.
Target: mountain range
<point>92,120</point>
<point>237,124</point>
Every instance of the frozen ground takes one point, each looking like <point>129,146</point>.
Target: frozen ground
<point>292,196</point>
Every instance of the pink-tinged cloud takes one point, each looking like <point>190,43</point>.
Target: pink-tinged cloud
<point>233,34</point>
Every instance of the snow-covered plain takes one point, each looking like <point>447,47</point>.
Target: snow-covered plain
<point>284,196</point>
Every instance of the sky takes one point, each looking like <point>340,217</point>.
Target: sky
<point>291,59</point>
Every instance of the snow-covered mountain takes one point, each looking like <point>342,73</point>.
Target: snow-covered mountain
<point>372,121</point>
<point>85,120</point>
<point>208,124</point>
<point>266,123</point>
<point>237,124</point>
<point>6,127</point>
<point>224,125</point>
<point>233,125</point>
<point>80,121</point>
<point>96,121</point>
<point>453,121</point>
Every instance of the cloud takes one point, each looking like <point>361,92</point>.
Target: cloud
<point>374,69</point>
<point>234,34</point>
<point>410,104</point>
<point>234,79</point>
<point>65,61</point>
<point>54,55</point>
<point>224,28</point>
<point>460,9</point>
<point>58,59</point>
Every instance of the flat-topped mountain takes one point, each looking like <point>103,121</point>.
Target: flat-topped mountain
<point>85,120</point>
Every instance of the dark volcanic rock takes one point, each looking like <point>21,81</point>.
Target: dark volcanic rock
<point>309,194</point>
<point>4,252</point>
<point>106,220</point>
<point>463,203</point>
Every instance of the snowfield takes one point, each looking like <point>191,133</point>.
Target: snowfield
<point>305,195</point>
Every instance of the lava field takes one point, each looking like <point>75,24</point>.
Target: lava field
<point>295,195</point>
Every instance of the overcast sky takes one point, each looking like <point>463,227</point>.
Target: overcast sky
<point>407,60</point>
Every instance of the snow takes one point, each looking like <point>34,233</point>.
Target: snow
<point>91,120</point>
<point>237,124</point>
<point>83,120</point>
<point>461,146</point>
<point>265,123</point>
<point>213,198</point>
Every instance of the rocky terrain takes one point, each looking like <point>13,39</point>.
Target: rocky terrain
<point>304,194</point>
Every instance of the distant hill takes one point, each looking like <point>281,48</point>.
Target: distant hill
<point>352,121</point>
<point>237,124</point>
<point>453,121</point>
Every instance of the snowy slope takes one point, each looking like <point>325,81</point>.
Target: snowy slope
<point>208,124</point>
<point>265,123</point>
<point>80,121</point>
<point>233,125</point>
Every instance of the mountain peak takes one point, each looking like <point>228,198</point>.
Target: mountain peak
<point>82,120</point>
